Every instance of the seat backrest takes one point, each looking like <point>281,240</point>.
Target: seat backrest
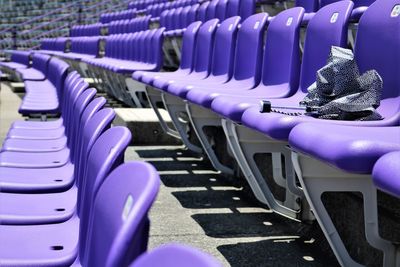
<point>211,10</point>
<point>106,154</point>
<point>204,46</point>
<point>174,255</point>
<point>184,17</point>
<point>247,8</point>
<point>192,14</point>
<point>326,29</point>
<point>188,44</point>
<point>146,51</point>
<point>233,8</point>
<point>79,106</point>
<point>309,6</point>
<point>119,223</point>
<point>357,3</point>
<point>20,57</point>
<point>84,146</point>
<point>40,62</point>
<point>248,54</point>
<point>224,48</point>
<point>132,41</point>
<point>75,91</point>
<point>168,19</point>
<point>220,12</point>
<point>282,53</point>
<point>57,72</point>
<point>378,44</point>
<point>202,13</point>
<point>176,20</point>
<point>71,79</point>
<point>156,53</point>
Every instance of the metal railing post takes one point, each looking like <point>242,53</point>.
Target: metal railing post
<point>14,37</point>
<point>80,12</point>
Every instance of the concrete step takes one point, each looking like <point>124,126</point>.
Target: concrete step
<point>144,125</point>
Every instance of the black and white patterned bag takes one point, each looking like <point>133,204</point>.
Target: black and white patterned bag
<point>341,93</point>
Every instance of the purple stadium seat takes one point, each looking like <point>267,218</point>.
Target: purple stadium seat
<point>51,145</point>
<point>53,207</point>
<point>146,59</point>
<point>246,64</point>
<point>221,59</point>
<point>42,97</point>
<point>345,159</point>
<point>19,60</point>
<point>82,47</point>
<point>202,56</point>
<point>38,70</point>
<point>50,179</point>
<point>126,239</point>
<point>175,255</point>
<point>202,13</point>
<point>186,63</point>
<point>386,173</point>
<point>278,126</point>
<point>281,65</point>
<point>58,244</point>
<point>220,12</point>
<point>244,142</point>
<point>353,149</point>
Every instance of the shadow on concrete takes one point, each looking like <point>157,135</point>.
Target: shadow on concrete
<point>287,243</point>
<point>275,252</point>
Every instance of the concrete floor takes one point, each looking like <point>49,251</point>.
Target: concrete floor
<point>199,207</point>
<point>9,103</point>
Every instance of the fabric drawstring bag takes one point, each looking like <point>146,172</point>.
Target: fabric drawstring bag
<point>341,93</point>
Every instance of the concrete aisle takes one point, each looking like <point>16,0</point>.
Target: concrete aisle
<point>200,207</point>
<point>9,104</point>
